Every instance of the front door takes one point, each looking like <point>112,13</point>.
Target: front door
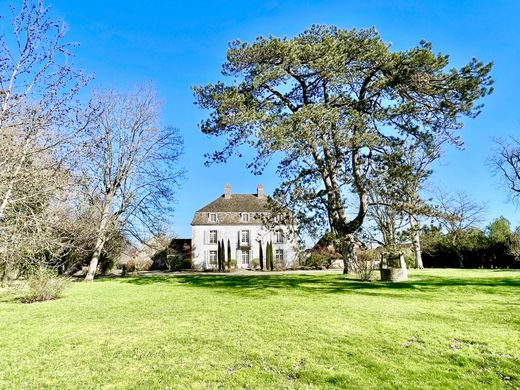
<point>244,259</point>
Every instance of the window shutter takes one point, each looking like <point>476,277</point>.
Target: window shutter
<point>206,262</point>
<point>238,241</point>
<point>205,236</point>
<point>249,237</point>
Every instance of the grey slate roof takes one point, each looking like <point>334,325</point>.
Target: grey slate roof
<point>228,210</point>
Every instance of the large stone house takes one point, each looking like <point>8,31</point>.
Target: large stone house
<point>239,218</point>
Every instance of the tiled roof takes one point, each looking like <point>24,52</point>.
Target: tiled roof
<point>229,209</point>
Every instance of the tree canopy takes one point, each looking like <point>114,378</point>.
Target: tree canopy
<point>328,102</point>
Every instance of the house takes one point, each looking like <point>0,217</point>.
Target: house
<point>239,219</point>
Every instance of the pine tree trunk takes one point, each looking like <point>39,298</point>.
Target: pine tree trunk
<point>416,242</point>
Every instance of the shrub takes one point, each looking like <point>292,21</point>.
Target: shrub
<point>256,263</point>
<point>319,259</point>
<point>106,265</point>
<point>130,266</point>
<point>44,285</point>
<point>364,263</point>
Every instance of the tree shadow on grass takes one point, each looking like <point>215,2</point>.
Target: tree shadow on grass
<point>328,284</point>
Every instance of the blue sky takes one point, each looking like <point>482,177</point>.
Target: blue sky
<point>178,44</point>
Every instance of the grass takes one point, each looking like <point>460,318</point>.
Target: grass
<point>441,329</point>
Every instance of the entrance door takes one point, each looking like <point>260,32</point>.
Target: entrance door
<point>244,259</point>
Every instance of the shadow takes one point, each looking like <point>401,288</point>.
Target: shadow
<point>325,284</point>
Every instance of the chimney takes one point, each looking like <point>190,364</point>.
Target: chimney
<point>227,191</point>
<point>260,191</point>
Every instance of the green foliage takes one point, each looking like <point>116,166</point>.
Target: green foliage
<point>318,259</point>
<point>219,256</point>
<point>328,96</point>
<point>44,285</point>
<point>499,230</point>
<point>271,257</point>
<point>229,255</point>
<point>106,264</point>
<point>261,259</point>
<point>476,248</point>
<point>175,261</point>
<point>513,244</point>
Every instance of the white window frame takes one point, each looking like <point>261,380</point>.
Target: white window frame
<point>245,255</point>
<point>278,236</point>
<point>212,217</point>
<point>278,255</point>
<point>245,217</point>
<point>213,261</point>
<point>242,234</point>
<point>212,232</point>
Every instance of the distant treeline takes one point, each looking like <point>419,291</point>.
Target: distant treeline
<point>494,247</point>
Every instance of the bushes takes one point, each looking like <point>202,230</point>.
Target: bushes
<point>364,263</point>
<point>319,259</point>
<point>177,262</point>
<point>44,285</point>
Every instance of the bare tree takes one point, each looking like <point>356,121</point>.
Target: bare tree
<point>395,197</point>
<point>129,166</point>
<point>38,86</point>
<point>457,213</point>
<point>506,162</point>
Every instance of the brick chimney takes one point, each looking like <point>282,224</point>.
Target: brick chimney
<point>260,191</point>
<point>227,191</point>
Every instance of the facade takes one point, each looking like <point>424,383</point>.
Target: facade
<point>238,219</point>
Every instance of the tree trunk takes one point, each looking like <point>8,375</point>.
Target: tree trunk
<point>100,242</point>
<point>416,242</point>
<point>348,252</point>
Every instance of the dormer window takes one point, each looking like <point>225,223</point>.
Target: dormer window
<point>212,217</point>
<point>245,217</point>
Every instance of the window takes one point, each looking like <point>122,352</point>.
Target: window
<point>278,236</point>
<point>244,237</point>
<point>278,254</point>
<point>245,217</point>
<point>213,257</point>
<point>212,236</point>
<point>245,257</point>
<point>212,217</point>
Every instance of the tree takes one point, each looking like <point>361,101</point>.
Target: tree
<point>271,257</point>
<point>219,256</point>
<point>499,230</point>
<point>129,167</point>
<point>223,256</point>
<point>228,254</point>
<point>39,84</point>
<point>327,102</point>
<point>394,192</point>
<point>267,257</point>
<point>506,161</point>
<point>458,215</point>
<point>261,255</point>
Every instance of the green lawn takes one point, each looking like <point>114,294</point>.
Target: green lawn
<point>441,329</point>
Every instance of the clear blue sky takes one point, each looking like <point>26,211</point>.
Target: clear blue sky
<point>177,44</point>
